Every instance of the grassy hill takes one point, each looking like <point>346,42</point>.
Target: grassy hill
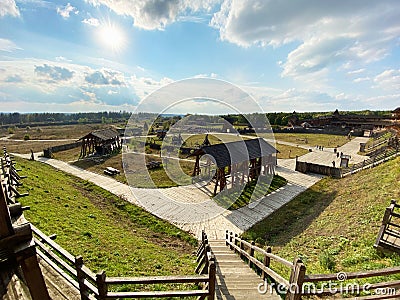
<point>333,225</point>
<point>110,234</point>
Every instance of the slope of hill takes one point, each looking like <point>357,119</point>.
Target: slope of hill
<point>333,225</point>
<point>110,233</point>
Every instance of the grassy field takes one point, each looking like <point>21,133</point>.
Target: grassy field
<point>310,139</point>
<point>57,131</point>
<point>243,197</point>
<point>137,172</point>
<point>27,146</point>
<point>47,136</point>
<point>333,225</point>
<point>108,232</point>
<point>286,151</point>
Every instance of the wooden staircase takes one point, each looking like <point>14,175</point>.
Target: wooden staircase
<point>235,280</point>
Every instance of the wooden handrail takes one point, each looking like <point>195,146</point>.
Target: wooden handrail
<point>157,279</point>
<point>157,294</point>
<point>53,244</point>
<point>353,275</point>
<point>262,267</point>
<point>260,250</point>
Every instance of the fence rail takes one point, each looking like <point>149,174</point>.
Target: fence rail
<point>298,284</point>
<point>98,286</point>
<point>371,162</point>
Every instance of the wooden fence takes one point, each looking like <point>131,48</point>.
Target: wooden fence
<point>389,232</point>
<point>301,284</point>
<point>99,286</point>
<point>49,151</point>
<point>305,167</point>
<point>371,162</point>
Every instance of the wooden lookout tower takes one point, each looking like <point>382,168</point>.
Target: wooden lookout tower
<point>100,142</point>
<point>240,162</point>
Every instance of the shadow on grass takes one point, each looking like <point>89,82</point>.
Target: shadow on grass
<point>291,219</point>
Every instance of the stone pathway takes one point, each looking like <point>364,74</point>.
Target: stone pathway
<point>191,209</point>
<point>327,156</point>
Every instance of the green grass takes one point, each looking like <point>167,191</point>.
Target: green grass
<point>110,233</point>
<point>236,199</point>
<point>310,139</point>
<point>333,225</point>
<point>286,151</point>
<point>137,173</point>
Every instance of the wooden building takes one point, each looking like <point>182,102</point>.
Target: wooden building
<point>238,162</point>
<point>353,121</point>
<point>396,114</point>
<point>100,142</point>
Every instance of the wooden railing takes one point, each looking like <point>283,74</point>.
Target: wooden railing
<point>247,251</point>
<point>389,232</point>
<point>382,290</point>
<point>371,162</point>
<point>100,286</point>
<point>301,284</point>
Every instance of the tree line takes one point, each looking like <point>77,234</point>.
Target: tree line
<point>32,118</point>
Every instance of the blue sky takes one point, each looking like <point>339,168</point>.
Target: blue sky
<point>303,55</point>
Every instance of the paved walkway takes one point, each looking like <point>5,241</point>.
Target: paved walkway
<point>191,209</point>
<point>327,156</point>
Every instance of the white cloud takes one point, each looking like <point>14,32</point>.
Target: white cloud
<point>8,7</point>
<point>361,79</point>
<point>358,71</point>
<point>66,10</point>
<point>105,77</point>
<point>53,73</point>
<point>328,33</point>
<point>8,46</point>
<point>156,14</point>
<point>81,105</point>
<point>92,22</point>
<point>388,80</point>
<point>143,86</point>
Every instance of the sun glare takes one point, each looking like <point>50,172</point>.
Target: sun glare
<point>112,37</point>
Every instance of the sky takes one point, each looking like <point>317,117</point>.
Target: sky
<point>97,55</point>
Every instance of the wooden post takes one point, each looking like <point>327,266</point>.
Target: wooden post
<point>226,238</point>
<point>251,252</point>
<point>6,228</point>
<point>267,262</point>
<point>101,285</point>
<point>385,221</point>
<point>234,240</point>
<point>206,261</point>
<point>296,281</point>
<point>212,280</point>
<point>241,245</point>
<point>230,240</point>
<point>81,278</point>
<point>34,278</point>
